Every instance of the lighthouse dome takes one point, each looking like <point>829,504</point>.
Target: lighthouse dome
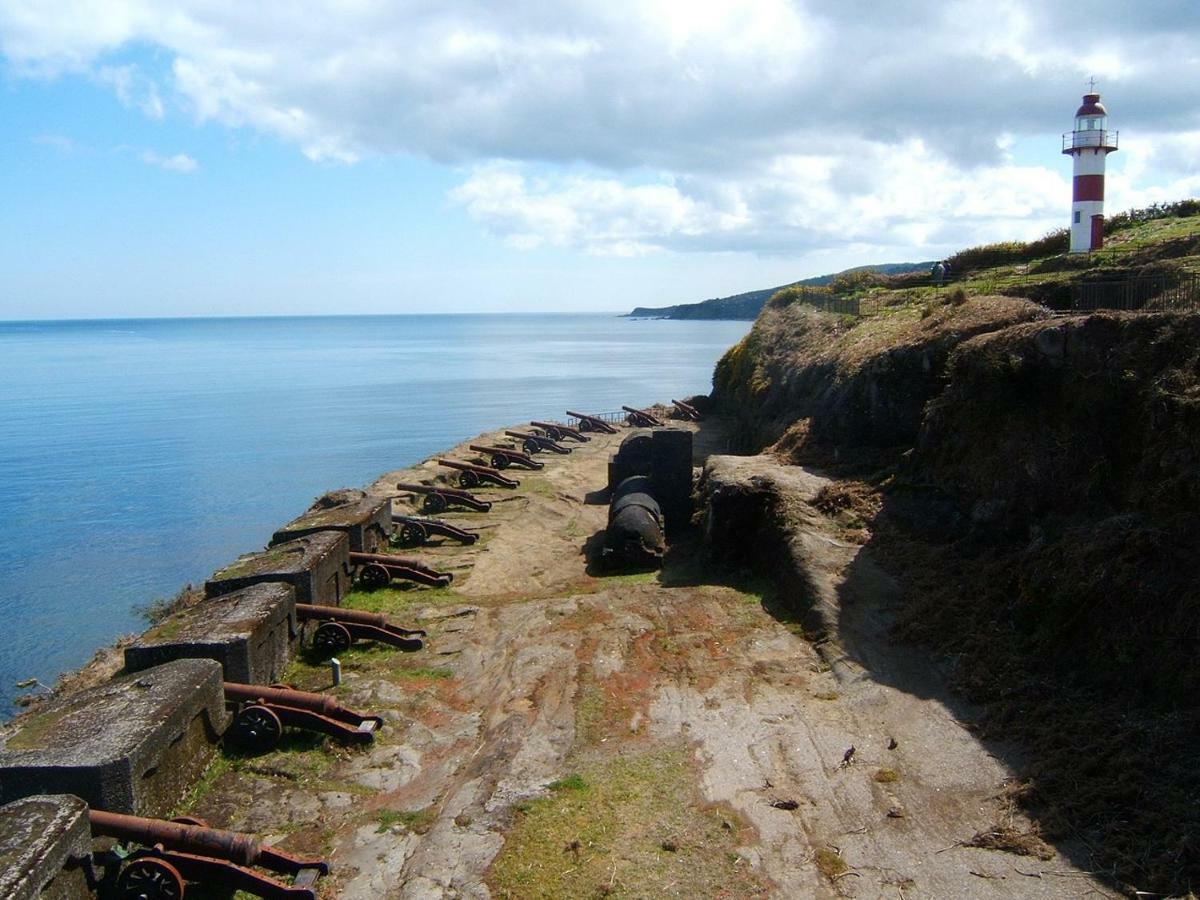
<point>1091,106</point>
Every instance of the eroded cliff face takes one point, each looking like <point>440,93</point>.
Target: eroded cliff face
<point>812,381</point>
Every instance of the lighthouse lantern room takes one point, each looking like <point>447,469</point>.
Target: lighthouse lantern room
<point>1089,144</point>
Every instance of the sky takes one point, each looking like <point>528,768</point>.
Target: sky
<point>217,157</point>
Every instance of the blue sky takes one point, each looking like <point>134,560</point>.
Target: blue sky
<point>187,157</point>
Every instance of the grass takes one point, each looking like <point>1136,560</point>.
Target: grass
<point>886,776</point>
<point>417,821</point>
<point>830,863</point>
<point>623,827</point>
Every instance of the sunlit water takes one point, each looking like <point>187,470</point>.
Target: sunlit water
<point>138,455</point>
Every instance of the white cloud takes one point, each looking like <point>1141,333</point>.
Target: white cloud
<point>668,124</point>
<point>179,162</point>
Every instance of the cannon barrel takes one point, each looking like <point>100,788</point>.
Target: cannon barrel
<point>357,616</point>
<point>254,693</point>
<point>594,423</point>
<point>387,559</point>
<point>233,846</point>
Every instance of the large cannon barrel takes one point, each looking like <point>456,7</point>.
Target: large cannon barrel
<point>636,499</point>
<point>254,693</point>
<point>357,616</point>
<point>242,849</point>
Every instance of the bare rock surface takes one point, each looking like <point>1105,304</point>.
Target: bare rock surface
<point>524,749</point>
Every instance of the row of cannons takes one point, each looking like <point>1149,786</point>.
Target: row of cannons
<point>86,778</point>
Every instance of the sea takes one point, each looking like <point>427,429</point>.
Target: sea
<point>139,455</point>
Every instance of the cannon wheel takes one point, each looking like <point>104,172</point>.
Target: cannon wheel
<point>554,434</point>
<point>373,576</point>
<point>468,479</point>
<point>412,534</point>
<point>434,503</point>
<point>255,728</point>
<point>150,879</point>
<point>331,638</point>
<point>531,446</point>
<point>499,461</point>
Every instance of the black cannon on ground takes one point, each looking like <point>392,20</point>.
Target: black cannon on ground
<point>438,499</point>
<point>559,432</point>
<point>503,457</point>
<point>340,628</point>
<point>413,531</point>
<point>376,570</point>
<point>470,475</point>
<point>536,443</point>
<point>640,418</point>
<point>260,714</point>
<point>171,854</point>
<point>634,537</point>
<point>592,423</point>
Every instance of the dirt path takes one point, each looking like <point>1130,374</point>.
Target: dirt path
<point>565,735</point>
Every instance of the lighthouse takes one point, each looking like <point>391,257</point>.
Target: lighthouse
<point>1089,144</point>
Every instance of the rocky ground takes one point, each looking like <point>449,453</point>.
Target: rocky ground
<point>567,733</point>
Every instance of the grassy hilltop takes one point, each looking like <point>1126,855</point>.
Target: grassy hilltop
<point>1034,482</point>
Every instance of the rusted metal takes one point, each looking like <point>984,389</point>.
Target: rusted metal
<point>558,432</point>
<point>535,443</point>
<point>592,423</point>
<point>261,712</point>
<point>503,457</point>
<point>174,852</point>
<point>639,418</point>
<point>470,476</point>
<point>341,627</point>
<point>440,498</point>
<point>413,531</point>
<point>376,570</point>
<point>686,411</point>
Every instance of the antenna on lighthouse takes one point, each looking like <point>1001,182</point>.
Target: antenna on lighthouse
<point>1089,145</point>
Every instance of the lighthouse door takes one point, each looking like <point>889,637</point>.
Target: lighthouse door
<point>1097,232</point>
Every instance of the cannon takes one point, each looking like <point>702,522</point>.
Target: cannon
<point>686,411</point>
<point>413,532</point>
<point>174,853</point>
<point>503,457</point>
<point>470,476</point>
<point>592,423</point>
<point>260,714</point>
<point>634,536</point>
<point>439,498</point>
<point>557,432</point>
<point>639,418</point>
<point>340,628</point>
<point>376,570</point>
<point>535,443</point>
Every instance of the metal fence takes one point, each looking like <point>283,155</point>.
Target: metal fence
<point>1150,293</point>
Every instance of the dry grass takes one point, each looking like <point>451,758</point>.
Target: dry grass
<point>629,826</point>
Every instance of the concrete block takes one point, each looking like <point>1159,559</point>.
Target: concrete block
<point>133,745</point>
<point>632,458</point>
<point>671,474</point>
<point>366,521</point>
<point>252,633</point>
<point>317,566</point>
<point>45,842</point>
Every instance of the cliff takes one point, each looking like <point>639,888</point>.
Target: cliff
<point>1033,483</point>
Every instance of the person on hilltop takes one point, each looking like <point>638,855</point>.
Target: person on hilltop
<point>938,273</point>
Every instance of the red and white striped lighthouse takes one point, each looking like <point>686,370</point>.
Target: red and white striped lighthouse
<point>1089,144</point>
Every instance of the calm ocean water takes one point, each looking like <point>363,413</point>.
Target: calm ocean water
<point>138,455</point>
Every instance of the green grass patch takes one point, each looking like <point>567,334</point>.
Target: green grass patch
<point>886,776</point>
<point>625,827</point>
<point>417,821</point>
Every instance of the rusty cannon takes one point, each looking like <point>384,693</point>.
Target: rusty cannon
<point>340,628</point>
<point>376,570</point>
<point>470,475</point>
<point>639,418</point>
<point>592,423</point>
<point>503,457</point>
<point>686,411</point>
<point>414,532</point>
<point>186,850</point>
<point>536,443</point>
<point>260,714</point>
<point>558,432</point>
<point>438,499</point>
